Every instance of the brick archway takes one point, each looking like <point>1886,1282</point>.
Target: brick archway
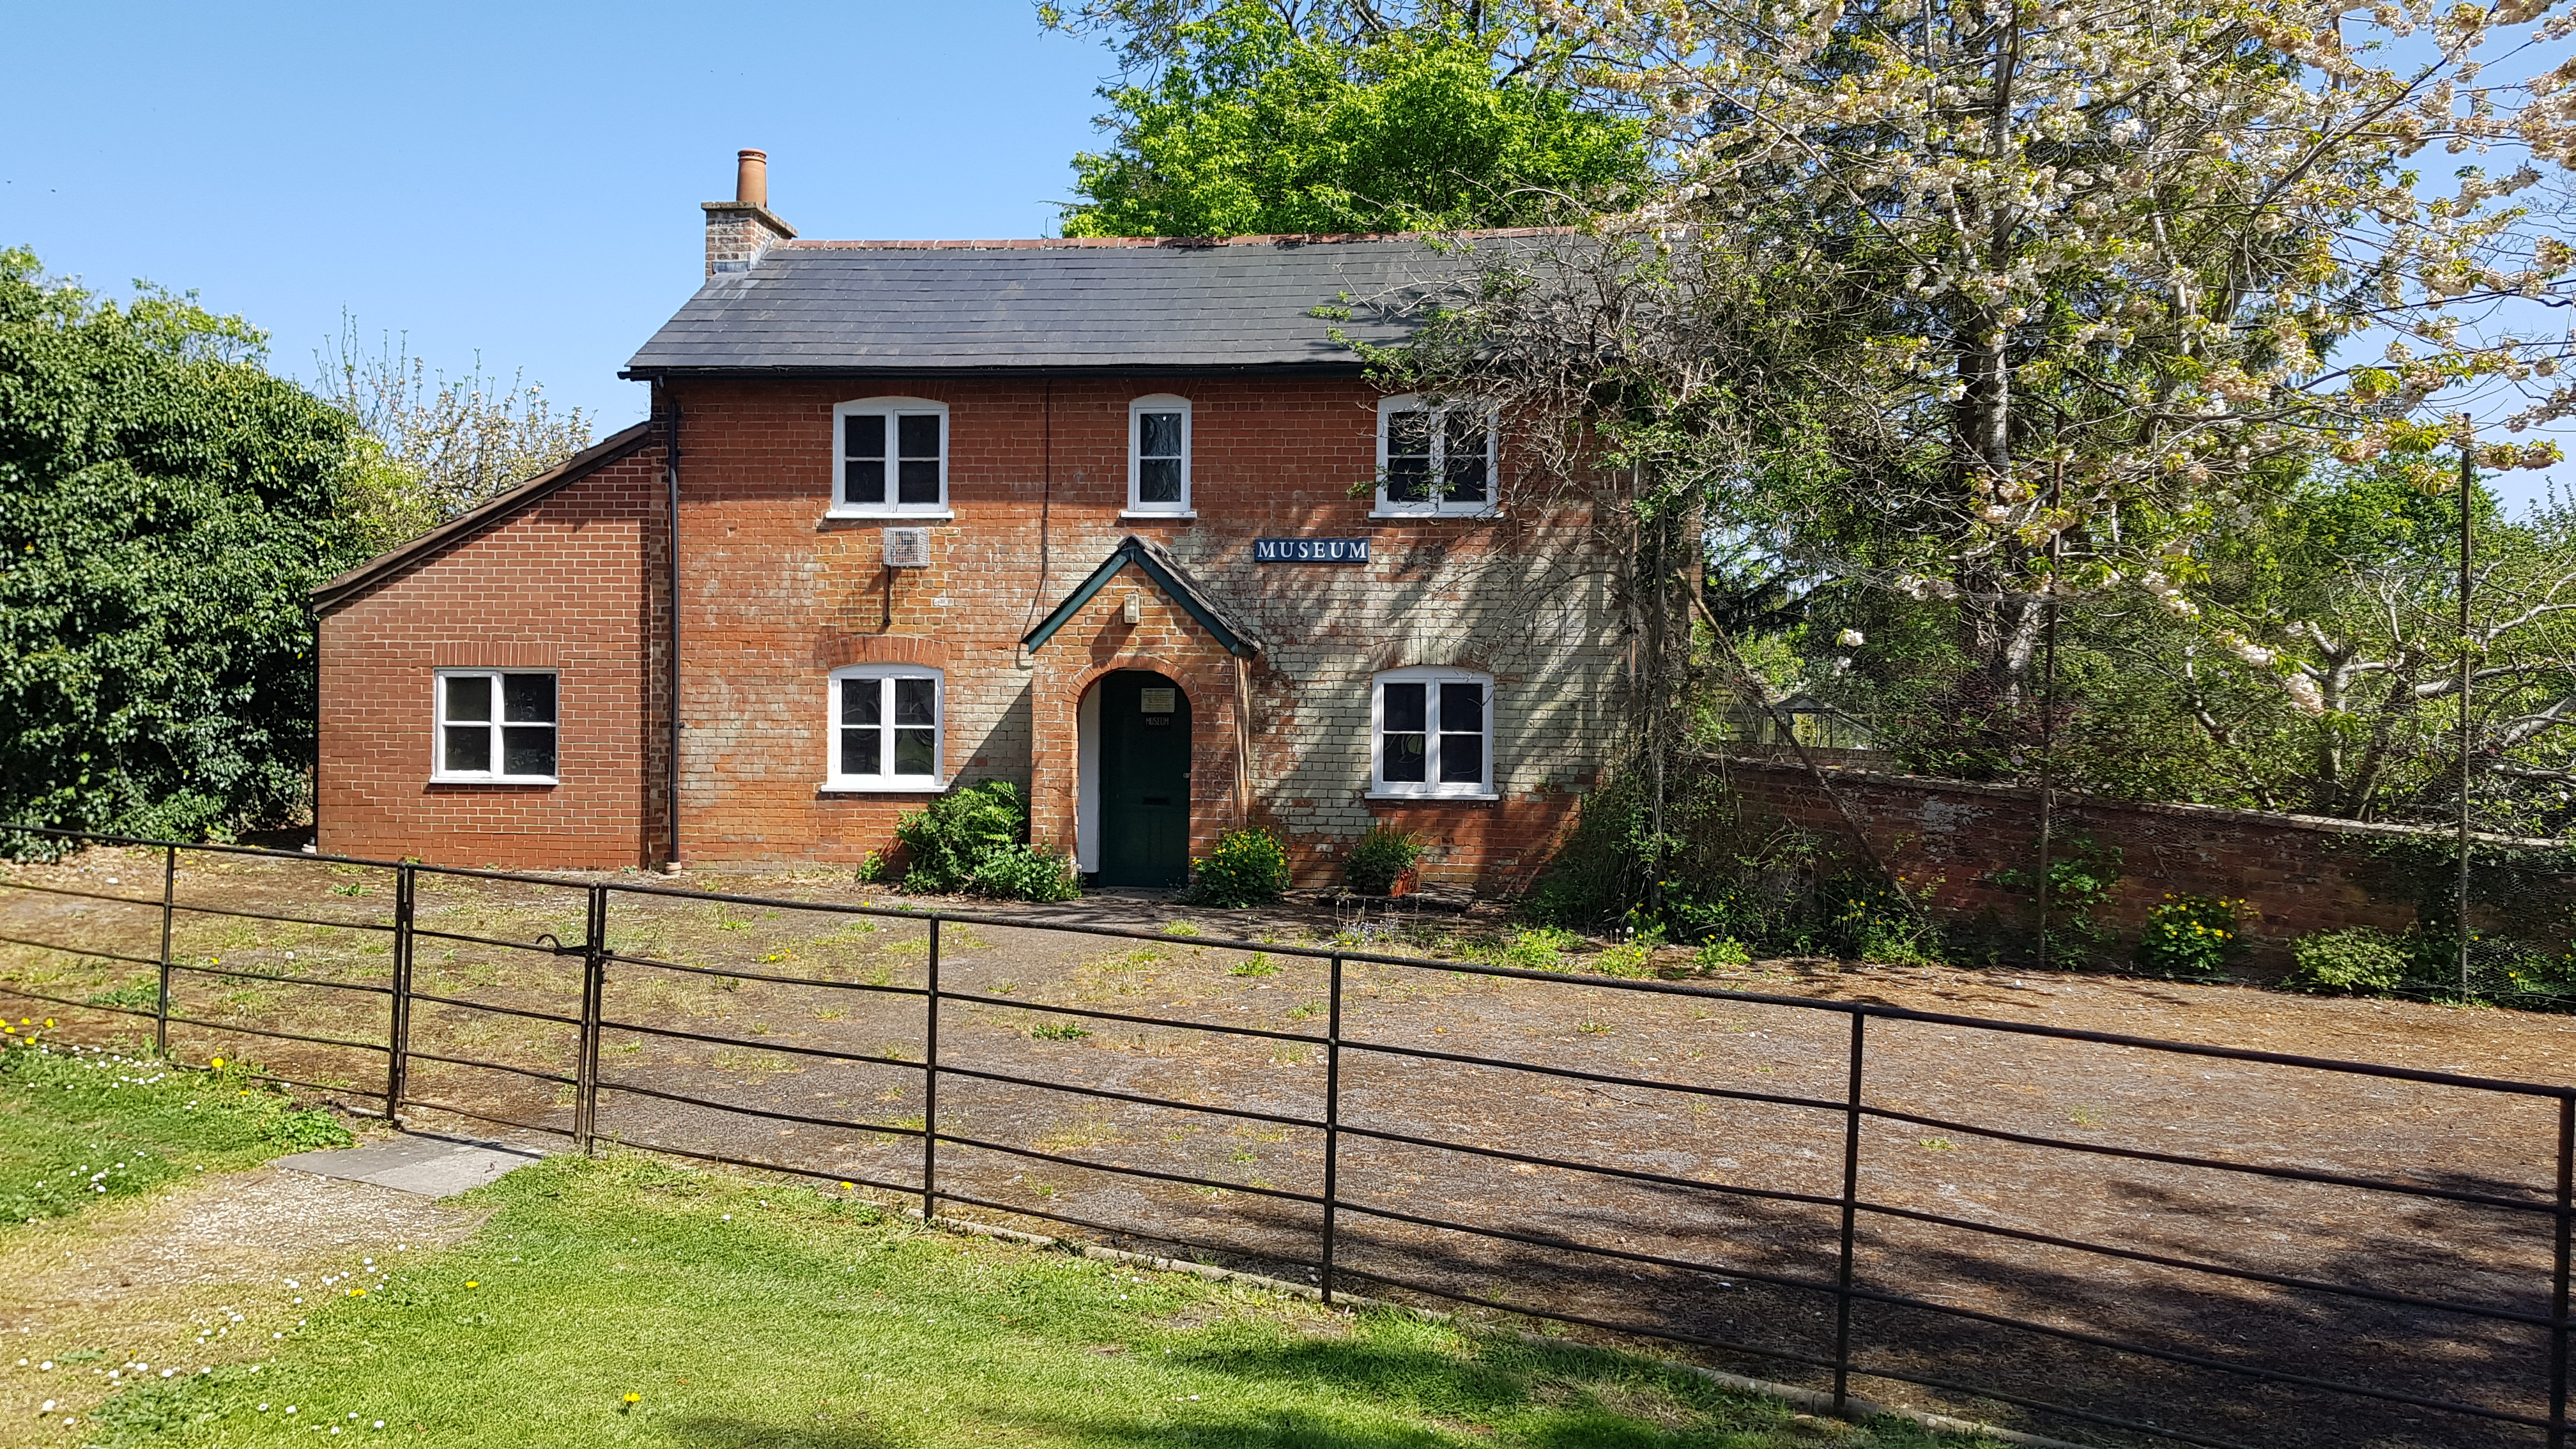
<point>1064,674</point>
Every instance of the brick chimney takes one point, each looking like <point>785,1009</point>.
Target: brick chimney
<point>738,231</point>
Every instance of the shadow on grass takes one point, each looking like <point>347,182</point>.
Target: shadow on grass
<point>1341,1395</point>
<point>717,1431</point>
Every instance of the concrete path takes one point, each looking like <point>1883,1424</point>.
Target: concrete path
<point>430,1166</point>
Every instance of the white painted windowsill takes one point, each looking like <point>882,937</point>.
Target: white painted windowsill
<point>905,787</point>
<point>494,780</point>
<point>1481,797</point>
<point>880,515</point>
<point>1428,515</point>
<point>1151,515</point>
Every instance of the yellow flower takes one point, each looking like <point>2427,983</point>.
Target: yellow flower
<point>219,1064</point>
<point>634,1398</point>
<point>470,1283</point>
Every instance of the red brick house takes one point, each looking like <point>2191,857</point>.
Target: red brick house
<point>1118,520</point>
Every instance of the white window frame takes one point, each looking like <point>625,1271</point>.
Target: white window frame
<point>1434,788</point>
<point>1437,506</point>
<point>1137,507</point>
<point>890,408</point>
<point>834,780</point>
<point>438,727</point>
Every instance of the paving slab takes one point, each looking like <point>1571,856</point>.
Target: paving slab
<point>430,1166</point>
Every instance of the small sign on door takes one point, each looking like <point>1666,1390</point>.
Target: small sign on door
<point>1158,701</point>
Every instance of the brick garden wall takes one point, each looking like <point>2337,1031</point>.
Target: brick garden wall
<point>2297,873</point>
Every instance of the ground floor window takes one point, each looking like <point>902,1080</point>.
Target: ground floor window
<point>1432,733</point>
<point>496,725</point>
<point>886,721</point>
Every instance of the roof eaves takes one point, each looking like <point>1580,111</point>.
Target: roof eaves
<point>1044,243</point>
<point>1157,564</point>
<point>1330,367</point>
<point>338,588</point>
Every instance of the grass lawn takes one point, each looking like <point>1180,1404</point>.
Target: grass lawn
<point>80,1127</point>
<point>739,1313</point>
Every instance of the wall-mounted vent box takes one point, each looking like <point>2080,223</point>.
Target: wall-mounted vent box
<point>907,548</point>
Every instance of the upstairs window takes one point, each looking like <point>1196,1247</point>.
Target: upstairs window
<point>1158,455</point>
<point>1433,734</point>
<point>893,458</point>
<point>496,727</point>
<point>885,728</point>
<point>1434,459</point>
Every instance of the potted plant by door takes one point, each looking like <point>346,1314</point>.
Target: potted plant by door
<point>1384,862</point>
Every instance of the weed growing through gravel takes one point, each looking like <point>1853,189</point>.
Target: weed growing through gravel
<point>1258,964</point>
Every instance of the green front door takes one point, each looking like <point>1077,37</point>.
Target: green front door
<point>1144,780</point>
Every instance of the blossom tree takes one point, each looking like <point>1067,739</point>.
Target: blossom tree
<point>2035,295</point>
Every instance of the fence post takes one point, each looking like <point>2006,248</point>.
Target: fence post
<point>594,986</point>
<point>1332,1122</point>
<point>1851,1208</point>
<point>2566,1228</point>
<point>930,1084</point>
<point>398,1031</point>
<point>169,908</point>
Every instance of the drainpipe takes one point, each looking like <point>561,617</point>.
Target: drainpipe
<point>1242,743</point>
<point>671,489</point>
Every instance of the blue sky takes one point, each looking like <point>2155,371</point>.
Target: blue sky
<point>521,181</point>
<point>518,180</point>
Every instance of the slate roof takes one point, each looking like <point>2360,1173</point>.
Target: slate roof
<point>1130,302</point>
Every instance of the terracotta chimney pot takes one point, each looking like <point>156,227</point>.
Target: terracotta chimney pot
<point>738,231</point>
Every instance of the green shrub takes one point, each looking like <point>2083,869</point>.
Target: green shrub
<point>2190,935</point>
<point>2081,873</point>
<point>948,841</point>
<point>2357,960</point>
<point>1540,949</point>
<point>1721,953</point>
<point>1026,873</point>
<point>1247,868</point>
<point>871,870</point>
<point>1627,958</point>
<point>1382,855</point>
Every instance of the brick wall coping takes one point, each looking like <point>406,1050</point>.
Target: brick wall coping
<point>2325,824</point>
<point>339,589</point>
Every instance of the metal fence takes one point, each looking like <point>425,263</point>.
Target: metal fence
<point>1861,1266</point>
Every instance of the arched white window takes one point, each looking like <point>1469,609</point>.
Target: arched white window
<point>888,727</point>
<point>890,458</point>
<point>1158,456</point>
<point>1431,734</point>
<point>1434,460</point>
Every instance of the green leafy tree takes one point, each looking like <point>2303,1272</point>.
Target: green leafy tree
<point>165,504</point>
<point>1253,125</point>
